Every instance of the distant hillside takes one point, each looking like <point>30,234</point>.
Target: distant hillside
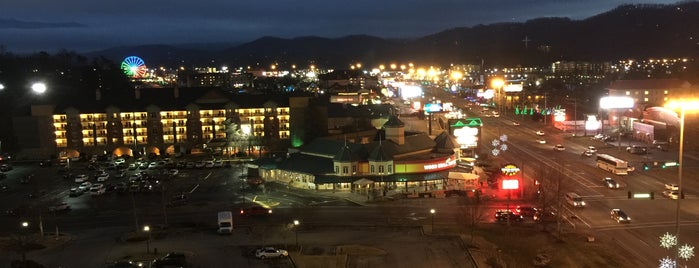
<point>628,31</point>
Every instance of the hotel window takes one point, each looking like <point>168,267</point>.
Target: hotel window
<point>645,92</point>
<point>337,169</point>
<point>372,169</point>
<point>381,169</point>
<point>665,92</point>
<point>628,93</point>
<point>354,169</point>
<point>345,170</point>
<point>390,169</point>
<point>645,99</point>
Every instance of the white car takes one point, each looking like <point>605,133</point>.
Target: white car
<point>592,149</point>
<point>81,178</point>
<point>559,148</point>
<point>85,186</point>
<point>173,172</point>
<point>672,187</point>
<point>540,133</point>
<point>270,252</point>
<point>209,164</point>
<point>103,177</point>
<point>541,141</point>
<point>152,165</point>
<point>97,189</point>
<point>119,161</point>
<point>671,194</point>
<point>59,207</point>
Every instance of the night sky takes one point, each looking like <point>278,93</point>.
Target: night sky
<point>28,26</point>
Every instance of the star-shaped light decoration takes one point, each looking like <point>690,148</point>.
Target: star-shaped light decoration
<point>503,138</point>
<point>495,143</point>
<point>667,263</point>
<point>668,240</point>
<point>686,251</point>
<point>495,152</point>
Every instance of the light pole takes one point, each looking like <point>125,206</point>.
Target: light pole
<point>433,211</point>
<point>296,232</point>
<point>24,227</point>
<point>147,230</point>
<point>683,106</point>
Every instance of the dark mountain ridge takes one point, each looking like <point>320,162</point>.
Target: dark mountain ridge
<point>628,31</point>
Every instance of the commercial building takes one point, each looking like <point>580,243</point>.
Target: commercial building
<point>386,158</point>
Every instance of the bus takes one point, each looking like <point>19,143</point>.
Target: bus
<point>612,164</point>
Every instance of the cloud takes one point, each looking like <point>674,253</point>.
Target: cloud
<point>18,24</point>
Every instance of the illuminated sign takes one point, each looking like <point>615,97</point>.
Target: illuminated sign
<point>345,99</point>
<point>433,107</point>
<point>425,166</point>
<point>510,170</point>
<point>615,102</point>
<point>510,184</point>
<point>448,163</point>
<point>559,115</point>
<point>592,123</point>
<point>513,88</point>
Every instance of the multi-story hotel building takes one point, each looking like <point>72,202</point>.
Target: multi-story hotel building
<point>155,121</point>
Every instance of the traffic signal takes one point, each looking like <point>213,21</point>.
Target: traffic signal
<point>646,167</point>
<point>630,195</point>
<point>652,196</point>
<point>664,166</point>
<point>682,194</point>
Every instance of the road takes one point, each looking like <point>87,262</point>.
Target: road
<point>650,218</point>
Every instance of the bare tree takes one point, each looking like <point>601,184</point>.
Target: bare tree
<point>551,190</point>
<point>473,209</point>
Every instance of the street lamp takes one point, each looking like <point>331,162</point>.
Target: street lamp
<point>296,232</point>
<point>24,227</point>
<point>683,106</point>
<point>39,88</point>
<point>433,211</point>
<point>147,230</point>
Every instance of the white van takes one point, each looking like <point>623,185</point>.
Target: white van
<point>225,222</point>
<point>575,200</point>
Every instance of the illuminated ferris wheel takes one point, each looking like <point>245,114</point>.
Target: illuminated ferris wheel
<point>134,67</point>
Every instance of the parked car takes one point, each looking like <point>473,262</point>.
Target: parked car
<point>81,178</point>
<point>5,167</point>
<point>103,177</point>
<point>75,191</point>
<point>270,252</point>
<point>619,216</point>
<point>505,214</point>
<point>526,211</point>
<point>85,186</point>
<point>255,210</point>
<point>545,216</point>
<point>635,149</point>
<point>178,200</point>
<point>59,207</point>
<point>97,189</point>
<point>171,259</point>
